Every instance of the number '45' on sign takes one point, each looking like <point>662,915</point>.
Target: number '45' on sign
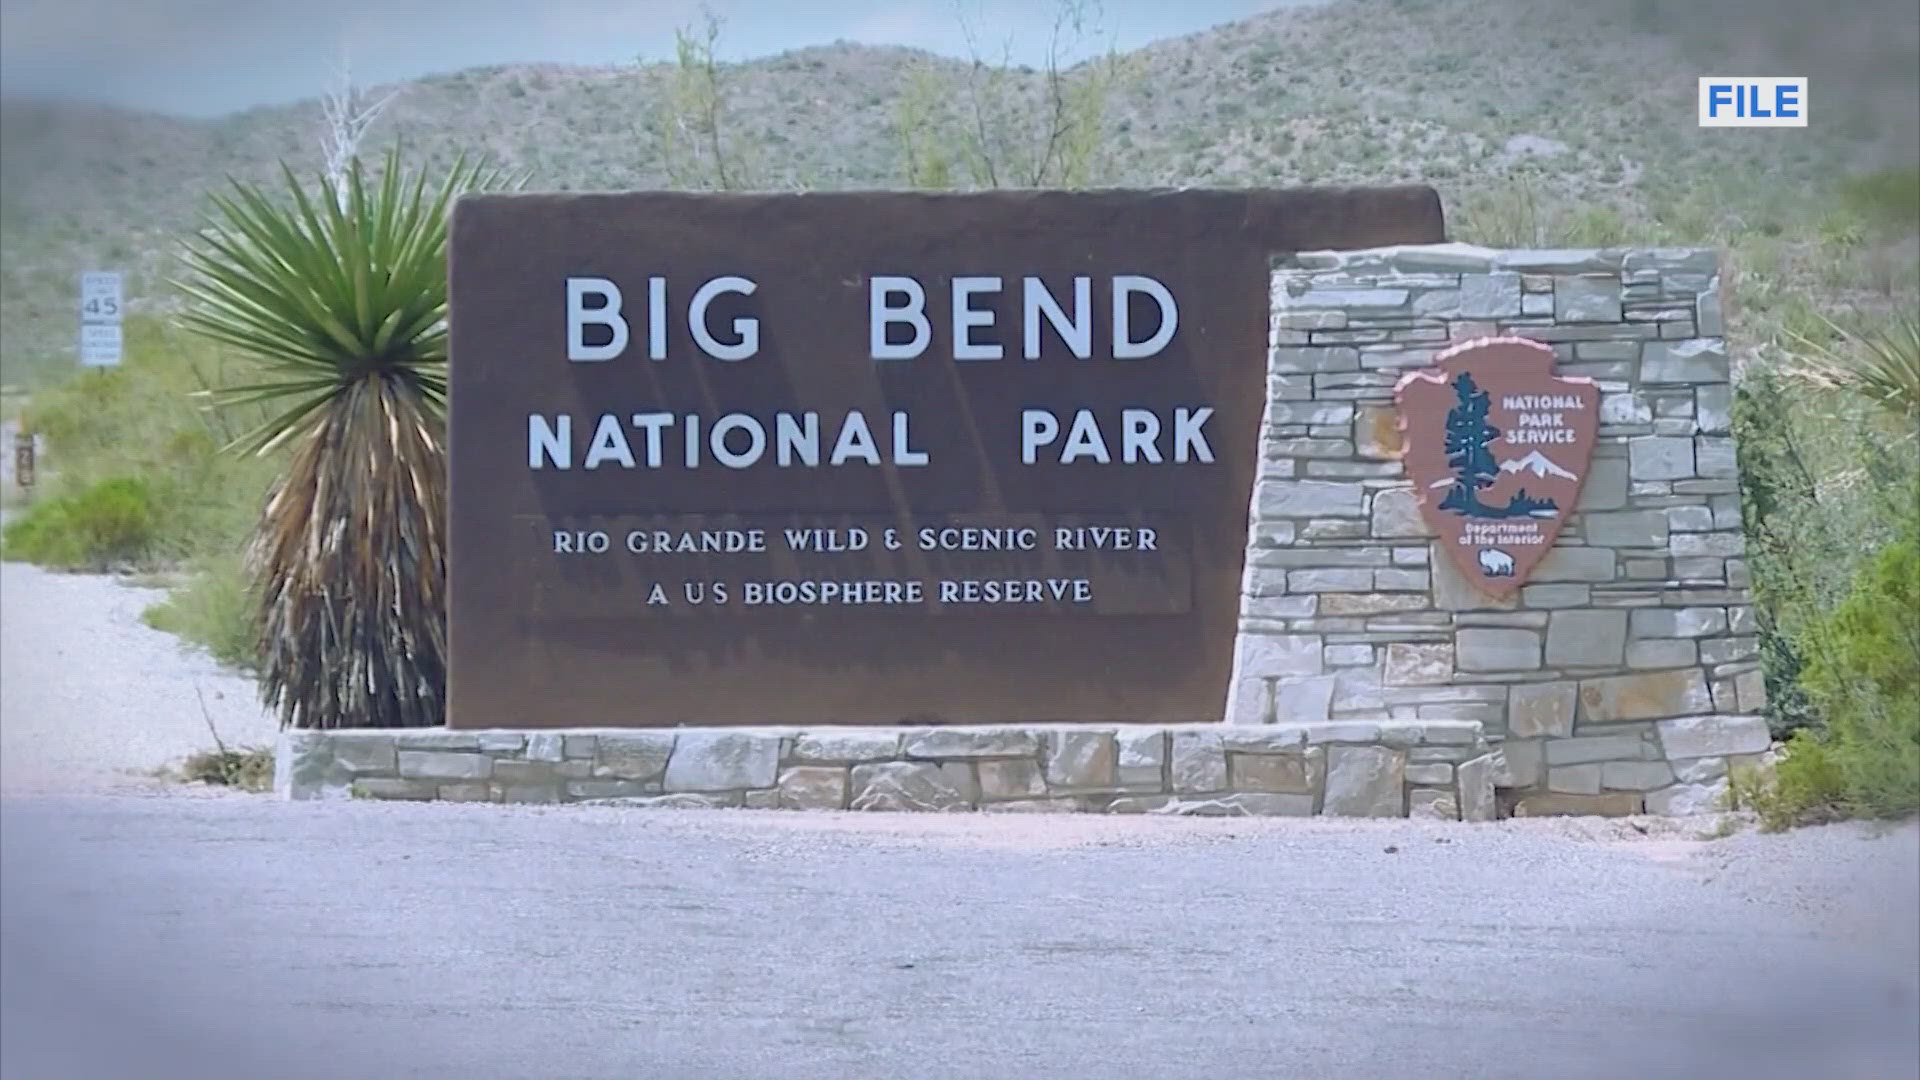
<point>100,297</point>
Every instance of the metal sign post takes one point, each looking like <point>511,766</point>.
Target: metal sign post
<point>23,459</point>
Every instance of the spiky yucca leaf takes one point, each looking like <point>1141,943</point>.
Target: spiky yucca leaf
<point>350,565</point>
<point>1881,364</point>
<point>341,297</point>
<point>327,289</point>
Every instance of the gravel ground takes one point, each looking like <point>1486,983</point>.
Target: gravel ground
<point>93,699</point>
<point>240,936</point>
<point>169,931</point>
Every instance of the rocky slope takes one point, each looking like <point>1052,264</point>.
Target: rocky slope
<point>1595,99</point>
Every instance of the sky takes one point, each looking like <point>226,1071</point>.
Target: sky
<point>210,57</point>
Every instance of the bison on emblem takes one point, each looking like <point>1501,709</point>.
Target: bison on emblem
<point>1496,563</point>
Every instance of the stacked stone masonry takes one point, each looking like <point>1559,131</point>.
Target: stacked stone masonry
<point>1623,677</point>
<point>1370,677</point>
<point>1440,768</point>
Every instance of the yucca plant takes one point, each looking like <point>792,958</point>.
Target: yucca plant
<point>340,296</point>
<point>1881,364</point>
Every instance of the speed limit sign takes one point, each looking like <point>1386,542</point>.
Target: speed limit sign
<point>100,308</point>
<point>100,297</point>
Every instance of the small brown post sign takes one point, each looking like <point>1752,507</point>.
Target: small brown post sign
<point>23,459</point>
<point>1497,447</point>
<point>862,458</point>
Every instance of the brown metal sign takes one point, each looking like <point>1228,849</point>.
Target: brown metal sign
<point>23,444</point>
<point>862,458</point>
<point>1497,447</point>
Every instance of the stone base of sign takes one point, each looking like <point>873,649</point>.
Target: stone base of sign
<point>1624,675</point>
<point>1371,678</point>
<point>1436,768</point>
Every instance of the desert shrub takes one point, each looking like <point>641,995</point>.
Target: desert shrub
<point>1880,362</point>
<point>1854,674</point>
<point>214,609</point>
<point>1689,214</point>
<point>1825,482</point>
<point>1521,214</point>
<point>344,314</point>
<point>1888,198</point>
<point>1863,675</point>
<point>1510,216</point>
<point>134,476</point>
<point>143,422</point>
<point>1596,226</point>
<point>1841,230</point>
<point>249,768</point>
<point>106,524</point>
<point>1804,787</point>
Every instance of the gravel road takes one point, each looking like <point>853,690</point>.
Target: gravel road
<point>93,699</point>
<point>238,936</point>
<point>168,932</point>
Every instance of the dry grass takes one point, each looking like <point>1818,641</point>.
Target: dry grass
<point>249,769</point>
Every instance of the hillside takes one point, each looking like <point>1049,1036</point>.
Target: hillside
<point>1596,99</point>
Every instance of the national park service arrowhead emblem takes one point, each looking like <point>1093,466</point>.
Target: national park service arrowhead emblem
<point>1497,447</point>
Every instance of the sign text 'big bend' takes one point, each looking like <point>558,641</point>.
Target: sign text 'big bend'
<point>862,458</point>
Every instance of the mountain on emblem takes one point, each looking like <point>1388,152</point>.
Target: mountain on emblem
<point>1538,464</point>
<point>1496,447</point>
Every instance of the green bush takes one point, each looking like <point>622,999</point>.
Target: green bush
<point>141,426</point>
<point>1824,484</point>
<point>214,609</point>
<point>1841,230</point>
<point>107,524</point>
<point>1863,674</point>
<point>134,475</point>
<point>1805,787</point>
<point>1520,214</point>
<point>1596,226</point>
<point>1508,216</point>
<point>1889,198</point>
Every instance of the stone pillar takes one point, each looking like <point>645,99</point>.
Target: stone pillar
<point>1624,675</point>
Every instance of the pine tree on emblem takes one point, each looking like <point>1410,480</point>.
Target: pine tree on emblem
<point>1468,436</point>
